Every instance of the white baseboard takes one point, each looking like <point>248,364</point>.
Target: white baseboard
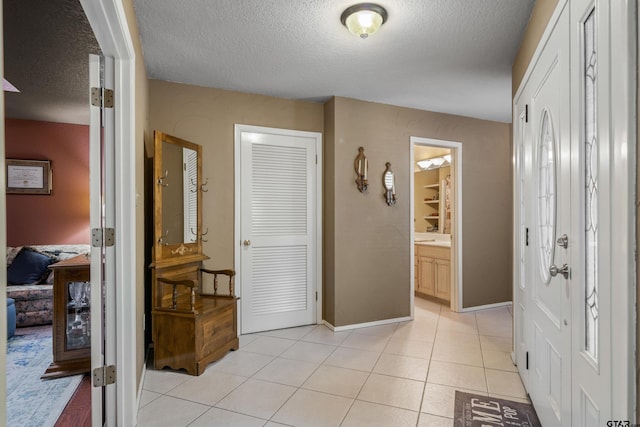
<point>365,325</point>
<point>487,306</point>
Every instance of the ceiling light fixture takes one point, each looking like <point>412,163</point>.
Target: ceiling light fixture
<point>364,19</point>
<point>435,162</point>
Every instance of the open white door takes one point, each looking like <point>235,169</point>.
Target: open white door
<point>101,153</point>
<point>109,23</point>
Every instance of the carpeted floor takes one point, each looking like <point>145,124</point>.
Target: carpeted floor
<point>30,400</point>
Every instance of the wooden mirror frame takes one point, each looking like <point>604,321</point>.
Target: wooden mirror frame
<point>175,252</point>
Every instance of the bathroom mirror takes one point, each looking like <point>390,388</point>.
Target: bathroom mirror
<point>177,197</point>
<point>389,183</point>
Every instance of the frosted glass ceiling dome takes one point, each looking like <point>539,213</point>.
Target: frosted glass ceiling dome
<point>364,19</point>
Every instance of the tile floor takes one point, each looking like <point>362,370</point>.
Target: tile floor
<point>393,375</point>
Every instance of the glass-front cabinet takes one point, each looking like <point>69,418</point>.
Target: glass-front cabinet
<point>71,318</point>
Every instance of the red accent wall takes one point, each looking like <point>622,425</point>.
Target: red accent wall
<point>63,216</point>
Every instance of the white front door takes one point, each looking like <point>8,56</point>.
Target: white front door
<point>572,270</point>
<point>278,227</point>
<point>547,200</point>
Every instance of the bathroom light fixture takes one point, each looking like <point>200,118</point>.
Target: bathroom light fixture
<point>364,19</point>
<point>435,162</point>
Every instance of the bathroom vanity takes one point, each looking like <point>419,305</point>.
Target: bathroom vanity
<point>432,260</point>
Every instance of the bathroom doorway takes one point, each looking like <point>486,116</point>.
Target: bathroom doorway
<point>435,227</point>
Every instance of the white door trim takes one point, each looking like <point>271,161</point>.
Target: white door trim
<point>456,221</point>
<point>623,133</point>
<point>3,248</point>
<point>238,129</point>
<point>109,23</point>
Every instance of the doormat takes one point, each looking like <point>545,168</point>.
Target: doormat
<point>473,410</point>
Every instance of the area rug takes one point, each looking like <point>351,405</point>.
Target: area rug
<point>30,400</point>
<point>473,410</point>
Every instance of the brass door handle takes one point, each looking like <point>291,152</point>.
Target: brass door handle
<point>247,243</point>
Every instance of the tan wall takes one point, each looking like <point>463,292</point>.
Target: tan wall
<point>207,117</point>
<point>542,11</point>
<point>141,91</point>
<point>371,240</point>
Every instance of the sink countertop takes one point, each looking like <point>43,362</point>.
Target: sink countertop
<point>433,239</point>
<point>440,243</point>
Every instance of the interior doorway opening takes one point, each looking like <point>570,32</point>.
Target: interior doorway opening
<point>436,232</point>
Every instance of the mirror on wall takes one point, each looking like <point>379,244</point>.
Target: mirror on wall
<point>178,192</point>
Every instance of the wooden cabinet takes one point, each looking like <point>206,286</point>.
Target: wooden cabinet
<point>427,275</point>
<point>71,336</point>
<point>442,279</point>
<point>433,271</point>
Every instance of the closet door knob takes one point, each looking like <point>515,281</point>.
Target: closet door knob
<point>247,242</point>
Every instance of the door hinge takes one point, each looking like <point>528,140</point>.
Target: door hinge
<point>316,296</point>
<point>526,237</point>
<point>104,376</point>
<point>526,356</point>
<point>526,113</point>
<point>101,97</point>
<point>103,237</point>
<point>316,159</point>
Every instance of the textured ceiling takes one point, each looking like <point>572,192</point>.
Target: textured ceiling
<point>451,56</point>
<point>46,55</point>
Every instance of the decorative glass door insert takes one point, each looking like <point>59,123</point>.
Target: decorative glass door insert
<point>546,195</point>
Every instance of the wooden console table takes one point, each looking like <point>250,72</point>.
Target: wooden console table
<point>71,318</point>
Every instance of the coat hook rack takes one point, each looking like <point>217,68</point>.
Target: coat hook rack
<point>161,239</point>
<point>162,181</point>
<point>200,235</point>
<point>201,187</point>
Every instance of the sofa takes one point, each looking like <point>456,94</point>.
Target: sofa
<point>30,281</point>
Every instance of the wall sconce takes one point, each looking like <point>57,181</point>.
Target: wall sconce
<point>364,19</point>
<point>389,183</point>
<point>361,166</point>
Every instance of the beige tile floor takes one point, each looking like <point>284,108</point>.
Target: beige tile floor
<point>397,375</point>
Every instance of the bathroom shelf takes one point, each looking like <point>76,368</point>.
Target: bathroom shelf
<point>432,217</point>
<point>432,201</point>
<point>432,186</point>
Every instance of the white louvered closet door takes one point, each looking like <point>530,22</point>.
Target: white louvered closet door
<point>278,231</point>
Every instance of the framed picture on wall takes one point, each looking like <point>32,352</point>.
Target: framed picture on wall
<point>28,176</point>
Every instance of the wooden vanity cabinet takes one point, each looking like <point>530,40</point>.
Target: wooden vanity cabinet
<point>433,271</point>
